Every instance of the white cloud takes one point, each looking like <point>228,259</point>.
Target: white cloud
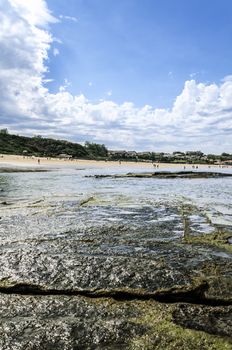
<point>34,12</point>
<point>201,116</point>
<point>70,18</point>
<point>65,86</point>
<point>55,51</point>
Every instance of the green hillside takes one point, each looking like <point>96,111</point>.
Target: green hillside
<point>47,147</point>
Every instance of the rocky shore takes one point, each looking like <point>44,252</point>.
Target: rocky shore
<point>116,286</point>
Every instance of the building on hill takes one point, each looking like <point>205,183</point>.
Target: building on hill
<point>131,154</point>
<point>117,153</point>
<point>64,156</point>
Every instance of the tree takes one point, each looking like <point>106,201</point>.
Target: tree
<point>4,131</point>
<point>96,150</point>
<point>225,154</point>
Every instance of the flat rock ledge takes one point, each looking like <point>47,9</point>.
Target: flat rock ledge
<point>168,175</point>
<point>30,322</point>
<point>115,287</point>
<point>21,170</point>
<point>77,295</point>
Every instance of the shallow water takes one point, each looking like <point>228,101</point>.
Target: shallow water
<point>50,203</point>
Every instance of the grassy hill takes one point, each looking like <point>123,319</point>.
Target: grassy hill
<point>47,147</point>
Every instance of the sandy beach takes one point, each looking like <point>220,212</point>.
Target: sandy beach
<point>17,160</point>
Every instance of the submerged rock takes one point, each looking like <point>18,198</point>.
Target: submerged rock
<point>169,175</point>
<point>21,170</point>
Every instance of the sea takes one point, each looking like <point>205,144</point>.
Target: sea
<point>69,198</point>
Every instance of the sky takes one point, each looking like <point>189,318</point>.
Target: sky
<point>136,75</point>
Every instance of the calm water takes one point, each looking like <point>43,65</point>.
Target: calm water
<point>61,200</point>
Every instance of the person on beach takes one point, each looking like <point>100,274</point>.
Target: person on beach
<point>38,161</point>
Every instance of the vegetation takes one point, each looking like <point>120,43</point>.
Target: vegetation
<point>96,150</point>
<point>164,333</point>
<point>47,147</point>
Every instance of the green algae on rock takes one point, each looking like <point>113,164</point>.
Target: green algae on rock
<point>76,322</point>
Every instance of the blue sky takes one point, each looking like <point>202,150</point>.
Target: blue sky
<point>132,74</point>
<point>141,51</point>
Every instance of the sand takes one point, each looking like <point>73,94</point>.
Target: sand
<point>24,161</point>
<point>14,160</point>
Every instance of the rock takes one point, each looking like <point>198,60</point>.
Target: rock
<point>99,267</point>
<point>168,175</point>
<point>22,170</point>
<point>61,322</point>
<point>153,282</point>
<point>74,322</point>
<point>213,320</point>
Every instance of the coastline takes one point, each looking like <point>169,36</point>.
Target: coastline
<point>78,254</point>
<point>17,160</point>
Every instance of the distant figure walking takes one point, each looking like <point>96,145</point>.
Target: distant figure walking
<point>38,161</point>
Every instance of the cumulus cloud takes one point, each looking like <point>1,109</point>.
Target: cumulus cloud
<point>200,118</point>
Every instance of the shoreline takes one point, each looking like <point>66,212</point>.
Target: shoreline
<point>17,160</point>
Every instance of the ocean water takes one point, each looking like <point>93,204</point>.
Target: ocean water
<point>66,199</point>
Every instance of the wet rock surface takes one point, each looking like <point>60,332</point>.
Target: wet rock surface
<point>105,268</point>
<point>61,322</point>
<point>146,259</point>
<point>213,320</point>
<point>76,322</point>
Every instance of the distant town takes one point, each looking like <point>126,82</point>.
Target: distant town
<point>39,146</point>
<point>175,157</point>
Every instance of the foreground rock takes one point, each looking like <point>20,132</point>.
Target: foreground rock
<point>161,271</point>
<point>69,322</point>
<point>156,282</point>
